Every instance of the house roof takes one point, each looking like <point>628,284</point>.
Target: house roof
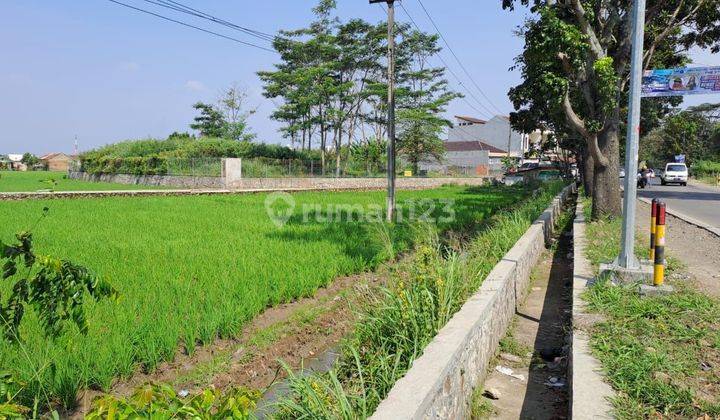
<point>14,157</point>
<point>53,155</point>
<point>471,146</point>
<point>470,119</point>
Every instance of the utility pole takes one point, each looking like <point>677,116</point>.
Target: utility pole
<point>391,109</point>
<point>627,259</point>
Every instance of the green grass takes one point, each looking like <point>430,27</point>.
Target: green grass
<point>15,181</point>
<point>190,269</point>
<point>652,349</point>
<point>402,318</point>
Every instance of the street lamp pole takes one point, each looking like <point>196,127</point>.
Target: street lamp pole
<point>627,257</point>
<point>391,109</point>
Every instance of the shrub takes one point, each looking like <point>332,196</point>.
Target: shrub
<point>160,157</point>
<point>705,168</point>
<point>161,402</point>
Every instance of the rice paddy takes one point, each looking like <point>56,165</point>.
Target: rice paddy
<point>15,181</point>
<point>191,269</point>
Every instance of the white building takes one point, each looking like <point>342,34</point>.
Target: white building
<point>495,132</point>
<point>479,146</point>
<point>16,162</point>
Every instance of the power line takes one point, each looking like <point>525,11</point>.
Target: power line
<point>462,66</point>
<point>179,7</point>
<point>192,26</point>
<point>459,127</point>
<point>488,111</point>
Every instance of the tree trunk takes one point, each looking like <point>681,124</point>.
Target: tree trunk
<point>588,172</point>
<point>338,146</point>
<point>606,180</point>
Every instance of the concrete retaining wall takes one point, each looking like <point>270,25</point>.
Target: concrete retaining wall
<point>440,383</point>
<point>189,182</point>
<point>233,182</point>
<point>346,183</point>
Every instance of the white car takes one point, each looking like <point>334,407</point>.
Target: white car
<point>675,173</point>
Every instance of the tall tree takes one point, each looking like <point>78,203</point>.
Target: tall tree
<point>332,79</point>
<point>423,96</point>
<point>575,67</point>
<point>232,104</point>
<point>694,132</point>
<point>211,122</point>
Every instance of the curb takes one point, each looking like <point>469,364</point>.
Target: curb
<point>440,383</point>
<point>589,393</point>
<point>686,218</point>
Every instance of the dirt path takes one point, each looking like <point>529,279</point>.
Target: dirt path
<point>697,248</point>
<point>538,336</point>
<point>295,333</point>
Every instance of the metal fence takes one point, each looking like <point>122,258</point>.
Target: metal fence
<point>259,168</point>
<point>290,168</point>
<point>194,167</point>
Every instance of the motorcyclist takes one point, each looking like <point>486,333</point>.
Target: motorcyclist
<point>644,178</point>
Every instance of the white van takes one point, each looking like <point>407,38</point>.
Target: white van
<point>675,173</point>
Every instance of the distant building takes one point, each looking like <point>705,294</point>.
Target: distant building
<point>57,161</point>
<point>478,146</point>
<point>467,158</point>
<point>495,132</point>
<point>16,162</point>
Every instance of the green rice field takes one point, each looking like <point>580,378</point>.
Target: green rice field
<point>31,181</point>
<point>194,268</point>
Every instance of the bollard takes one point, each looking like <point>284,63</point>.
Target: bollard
<point>653,222</point>
<point>659,271</point>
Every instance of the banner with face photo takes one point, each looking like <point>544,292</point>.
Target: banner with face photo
<point>681,81</point>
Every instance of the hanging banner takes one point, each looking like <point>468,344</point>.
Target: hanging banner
<point>681,81</point>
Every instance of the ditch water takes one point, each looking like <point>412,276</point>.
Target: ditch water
<point>319,364</point>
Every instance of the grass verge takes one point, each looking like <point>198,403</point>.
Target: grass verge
<point>661,354</point>
<point>405,316</point>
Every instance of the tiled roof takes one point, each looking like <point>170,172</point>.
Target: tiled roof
<point>471,146</point>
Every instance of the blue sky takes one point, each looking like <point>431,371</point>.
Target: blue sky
<point>106,73</point>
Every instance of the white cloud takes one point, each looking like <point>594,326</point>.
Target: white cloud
<point>129,66</point>
<point>195,86</point>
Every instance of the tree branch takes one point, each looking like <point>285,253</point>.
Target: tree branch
<point>579,126</point>
<point>587,29</point>
<point>671,26</point>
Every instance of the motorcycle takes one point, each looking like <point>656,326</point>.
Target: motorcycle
<point>643,180</point>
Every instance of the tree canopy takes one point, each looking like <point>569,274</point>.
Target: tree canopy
<point>332,80</point>
<point>575,68</point>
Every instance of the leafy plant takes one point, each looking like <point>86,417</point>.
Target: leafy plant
<point>55,288</point>
<point>51,182</point>
<point>161,401</point>
<point>9,409</point>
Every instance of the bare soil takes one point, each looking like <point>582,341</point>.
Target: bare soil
<point>539,334</point>
<point>291,333</point>
<point>698,249</point>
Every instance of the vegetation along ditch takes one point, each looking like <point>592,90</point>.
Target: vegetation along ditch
<point>186,270</point>
<point>404,316</point>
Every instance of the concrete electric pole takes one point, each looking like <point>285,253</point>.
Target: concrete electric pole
<point>391,109</point>
<point>627,259</point>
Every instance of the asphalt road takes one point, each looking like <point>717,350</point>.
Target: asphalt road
<point>697,201</point>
